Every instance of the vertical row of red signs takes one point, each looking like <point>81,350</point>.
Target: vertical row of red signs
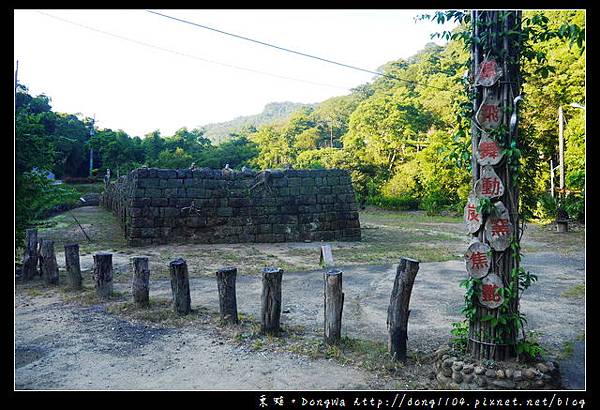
<point>497,226</point>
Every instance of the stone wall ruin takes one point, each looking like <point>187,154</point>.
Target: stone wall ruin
<point>157,206</point>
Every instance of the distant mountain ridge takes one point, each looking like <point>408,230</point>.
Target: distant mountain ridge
<point>219,132</point>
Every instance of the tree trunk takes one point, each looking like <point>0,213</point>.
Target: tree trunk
<point>271,300</point>
<point>48,265</point>
<point>485,340</point>
<point>140,284</point>
<point>398,312</point>
<point>72,265</point>
<point>30,256</point>
<point>180,287</point>
<point>227,299</point>
<point>103,272</point>
<point>334,304</point>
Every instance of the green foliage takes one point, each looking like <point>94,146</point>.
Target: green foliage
<point>530,349</point>
<point>546,207</point>
<point>485,206</point>
<point>435,200</point>
<point>460,335</point>
<point>35,197</point>
<point>395,203</point>
<point>473,290</point>
<point>173,159</point>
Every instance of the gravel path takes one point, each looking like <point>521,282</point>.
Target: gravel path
<point>68,346</point>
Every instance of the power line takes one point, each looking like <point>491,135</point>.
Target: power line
<point>292,51</point>
<point>190,55</point>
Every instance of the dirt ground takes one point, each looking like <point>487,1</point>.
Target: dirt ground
<point>70,340</point>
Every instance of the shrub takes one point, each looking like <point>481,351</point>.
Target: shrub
<point>395,203</point>
<point>435,200</point>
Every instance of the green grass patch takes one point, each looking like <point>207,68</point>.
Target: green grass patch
<point>159,312</point>
<point>83,189</point>
<point>575,292</point>
<point>87,296</point>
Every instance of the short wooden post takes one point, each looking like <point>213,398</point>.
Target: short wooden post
<point>72,265</point>
<point>334,304</point>
<point>562,225</point>
<point>48,264</point>
<point>103,272</point>
<point>30,256</point>
<point>180,287</point>
<point>271,300</point>
<point>398,312</point>
<point>140,284</point>
<point>227,299</point>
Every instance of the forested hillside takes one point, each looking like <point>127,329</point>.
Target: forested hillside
<point>406,143</point>
<point>278,111</point>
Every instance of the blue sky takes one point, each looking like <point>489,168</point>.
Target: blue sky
<point>140,87</point>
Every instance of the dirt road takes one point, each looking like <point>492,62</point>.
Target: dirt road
<point>60,344</point>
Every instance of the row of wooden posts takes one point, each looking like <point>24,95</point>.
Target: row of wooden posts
<point>398,312</point>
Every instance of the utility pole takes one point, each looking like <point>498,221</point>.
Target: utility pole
<point>16,78</point>
<point>551,178</point>
<point>561,152</point>
<point>91,149</point>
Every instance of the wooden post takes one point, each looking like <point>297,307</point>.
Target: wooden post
<point>334,304</point>
<point>103,272</point>
<point>398,312</point>
<point>180,287</point>
<point>72,265</point>
<point>140,284</point>
<point>498,31</point>
<point>30,256</point>
<point>271,300</point>
<point>48,265</point>
<point>227,299</point>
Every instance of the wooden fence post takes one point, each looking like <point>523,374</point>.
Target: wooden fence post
<point>180,287</point>
<point>398,312</point>
<point>140,284</point>
<point>30,256</point>
<point>334,304</point>
<point>72,265</point>
<point>103,272</point>
<point>48,264</point>
<point>227,298</point>
<point>271,300</point>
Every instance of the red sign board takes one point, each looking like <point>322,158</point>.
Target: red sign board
<point>473,218</point>
<point>478,260</point>
<point>489,184</point>
<point>488,151</point>
<point>489,296</point>
<point>488,73</point>
<point>489,115</point>
<point>498,228</point>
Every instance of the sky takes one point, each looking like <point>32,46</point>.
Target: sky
<point>140,72</point>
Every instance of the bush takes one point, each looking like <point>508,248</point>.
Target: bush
<point>546,207</point>
<point>574,204</point>
<point>435,200</point>
<point>35,198</point>
<point>399,203</point>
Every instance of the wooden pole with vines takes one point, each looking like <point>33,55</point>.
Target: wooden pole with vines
<point>495,45</point>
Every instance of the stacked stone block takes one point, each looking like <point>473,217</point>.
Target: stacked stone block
<point>225,206</point>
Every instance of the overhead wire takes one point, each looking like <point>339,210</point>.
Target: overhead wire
<point>164,49</point>
<point>293,51</point>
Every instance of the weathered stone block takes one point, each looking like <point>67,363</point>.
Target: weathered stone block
<point>159,202</point>
<point>166,173</point>
<point>170,212</point>
<point>224,211</point>
<point>184,173</point>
